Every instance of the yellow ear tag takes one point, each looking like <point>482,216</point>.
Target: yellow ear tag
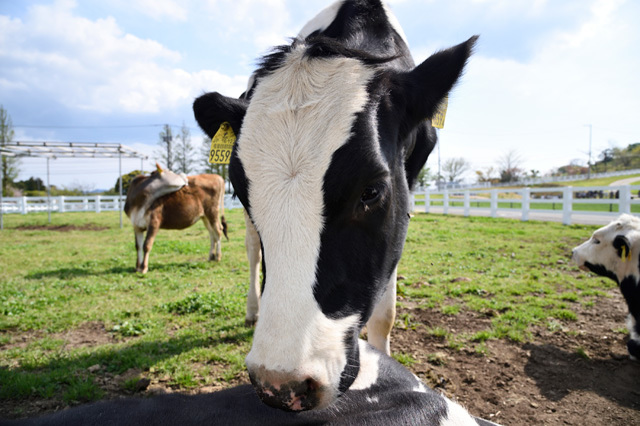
<point>625,256</point>
<point>438,118</point>
<point>222,144</point>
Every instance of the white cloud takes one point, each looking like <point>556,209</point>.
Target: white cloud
<point>161,9</point>
<point>268,21</point>
<point>540,107</point>
<point>95,65</point>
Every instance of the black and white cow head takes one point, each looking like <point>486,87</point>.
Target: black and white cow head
<point>330,141</point>
<point>613,250</point>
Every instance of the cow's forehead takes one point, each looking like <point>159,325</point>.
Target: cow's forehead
<point>299,116</point>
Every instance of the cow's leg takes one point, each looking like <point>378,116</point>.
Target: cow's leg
<point>384,314</point>
<point>254,255</point>
<point>215,233</point>
<point>139,243</point>
<point>633,345</point>
<point>152,231</point>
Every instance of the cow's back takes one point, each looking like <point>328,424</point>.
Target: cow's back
<point>183,208</point>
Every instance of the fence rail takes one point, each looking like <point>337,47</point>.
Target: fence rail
<point>606,201</point>
<point>89,203</point>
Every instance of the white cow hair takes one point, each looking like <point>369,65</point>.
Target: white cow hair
<point>327,15</point>
<point>457,415</point>
<point>305,110</point>
<point>369,366</point>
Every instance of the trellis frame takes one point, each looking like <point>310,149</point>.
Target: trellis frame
<point>53,150</point>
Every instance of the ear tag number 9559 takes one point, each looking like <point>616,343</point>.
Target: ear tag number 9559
<point>222,144</point>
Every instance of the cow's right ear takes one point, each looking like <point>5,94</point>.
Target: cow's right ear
<point>623,247</point>
<point>213,109</point>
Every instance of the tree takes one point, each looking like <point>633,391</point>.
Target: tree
<point>126,182</point>
<point>184,152</point>
<point>454,168</point>
<point>10,165</point>
<point>424,177</point>
<point>489,175</point>
<point>166,155</point>
<point>510,167</point>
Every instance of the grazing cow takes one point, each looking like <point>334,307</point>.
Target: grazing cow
<point>331,138</point>
<point>385,393</point>
<point>613,251</point>
<point>170,201</point>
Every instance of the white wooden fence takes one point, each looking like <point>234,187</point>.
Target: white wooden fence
<point>87,203</point>
<point>563,202</point>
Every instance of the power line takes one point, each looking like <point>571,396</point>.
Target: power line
<point>116,126</point>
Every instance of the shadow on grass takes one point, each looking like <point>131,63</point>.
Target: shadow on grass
<point>65,371</point>
<point>557,373</point>
<point>78,272</point>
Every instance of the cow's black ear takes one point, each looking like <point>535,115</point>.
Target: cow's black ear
<point>423,89</point>
<point>213,109</point>
<point>623,247</point>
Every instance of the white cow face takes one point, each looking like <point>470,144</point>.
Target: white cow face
<point>329,144</point>
<point>612,251</point>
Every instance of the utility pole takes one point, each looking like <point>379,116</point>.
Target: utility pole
<point>589,164</point>
<point>438,181</point>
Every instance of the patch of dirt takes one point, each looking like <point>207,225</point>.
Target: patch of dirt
<point>87,334</point>
<point>64,228</point>
<point>577,375</point>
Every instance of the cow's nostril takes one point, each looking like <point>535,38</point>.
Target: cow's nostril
<point>286,394</point>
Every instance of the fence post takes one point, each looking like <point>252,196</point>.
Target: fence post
<point>567,205</point>
<point>466,202</point>
<point>526,197</point>
<point>85,204</point>
<point>427,200</point>
<point>61,204</point>
<point>413,202</point>
<point>97,204</point>
<point>445,202</point>
<point>23,205</point>
<point>624,201</point>
<point>494,203</point>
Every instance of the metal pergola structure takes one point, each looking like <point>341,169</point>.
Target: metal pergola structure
<point>55,150</point>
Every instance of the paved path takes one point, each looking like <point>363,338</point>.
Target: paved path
<point>627,181</point>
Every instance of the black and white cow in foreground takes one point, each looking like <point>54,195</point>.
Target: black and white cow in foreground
<point>613,251</point>
<point>387,394</point>
<point>331,137</point>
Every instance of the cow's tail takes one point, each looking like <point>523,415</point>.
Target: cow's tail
<point>223,221</point>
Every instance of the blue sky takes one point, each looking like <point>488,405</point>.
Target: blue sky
<point>83,70</point>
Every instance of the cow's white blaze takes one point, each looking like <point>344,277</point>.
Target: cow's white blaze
<point>298,117</point>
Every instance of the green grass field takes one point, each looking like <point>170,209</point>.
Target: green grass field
<point>183,321</point>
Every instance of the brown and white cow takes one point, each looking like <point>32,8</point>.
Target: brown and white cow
<point>170,201</point>
<point>332,133</point>
<point>613,251</point>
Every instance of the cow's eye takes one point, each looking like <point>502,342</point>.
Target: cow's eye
<point>596,241</point>
<point>370,195</point>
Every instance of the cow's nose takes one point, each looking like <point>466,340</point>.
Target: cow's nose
<point>283,391</point>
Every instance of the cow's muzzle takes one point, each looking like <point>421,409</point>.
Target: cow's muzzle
<point>286,392</point>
